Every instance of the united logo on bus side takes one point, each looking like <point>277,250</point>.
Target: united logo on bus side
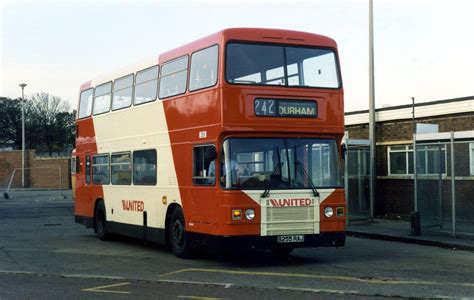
<point>133,205</point>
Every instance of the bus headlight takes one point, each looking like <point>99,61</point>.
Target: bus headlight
<point>249,214</point>
<point>328,212</point>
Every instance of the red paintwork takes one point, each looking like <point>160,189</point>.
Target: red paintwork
<point>227,110</point>
<point>85,145</point>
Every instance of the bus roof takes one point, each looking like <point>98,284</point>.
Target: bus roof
<point>264,35</point>
<point>251,34</point>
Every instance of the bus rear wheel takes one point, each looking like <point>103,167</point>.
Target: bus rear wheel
<point>100,219</point>
<point>179,239</point>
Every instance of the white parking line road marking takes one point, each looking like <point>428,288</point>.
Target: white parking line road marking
<point>344,292</point>
<point>91,276</point>
<point>15,272</point>
<point>324,277</point>
<point>198,298</point>
<point>225,285</point>
<point>100,289</point>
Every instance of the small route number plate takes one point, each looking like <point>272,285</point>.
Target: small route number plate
<point>290,239</point>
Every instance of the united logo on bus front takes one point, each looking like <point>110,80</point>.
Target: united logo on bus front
<point>283,202</point>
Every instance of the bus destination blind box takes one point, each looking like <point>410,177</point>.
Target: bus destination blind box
<point>285,108</point>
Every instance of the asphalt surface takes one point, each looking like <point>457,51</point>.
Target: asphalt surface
<point>44,255</point>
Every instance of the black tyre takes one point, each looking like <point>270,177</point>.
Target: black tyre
<point>100,221</point>
<point>180,241</point>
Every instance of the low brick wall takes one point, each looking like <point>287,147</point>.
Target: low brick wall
<point>40,173</point>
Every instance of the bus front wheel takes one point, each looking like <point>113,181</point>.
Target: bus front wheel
<point>100,221</point>
<point>179,238</point>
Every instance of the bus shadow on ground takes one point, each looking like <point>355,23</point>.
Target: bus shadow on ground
<point>228,256</point>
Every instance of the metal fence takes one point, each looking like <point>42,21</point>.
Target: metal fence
<point>444,182</point>
<point>357,179</point>
<point>35,179</point>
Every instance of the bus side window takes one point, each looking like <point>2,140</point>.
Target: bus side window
<point>203,68</point>
<point>120,166</point>
<point>204,165</point>
<point>75,165</point>
<point>88,169</point>
<point>144,167</point>
<point>174,75</point>
<point>100,169</point>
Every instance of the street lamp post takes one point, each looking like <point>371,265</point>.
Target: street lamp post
<point>22,85</point>
<point>372,129</point>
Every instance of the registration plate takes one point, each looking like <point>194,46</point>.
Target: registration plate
<point>290,239</point>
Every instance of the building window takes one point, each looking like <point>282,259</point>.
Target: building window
<point>203,68</point>
<point>430,159</point>
<point>123,89</point>
<point>85,106</point>
<point>100,169</point>
<point>120,167</point>
<point>173,79</point>
<point>146,85</point>
<point>204,165</point>
<point>400,160</point>
<point>144,167</point>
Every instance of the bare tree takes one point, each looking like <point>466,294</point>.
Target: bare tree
<point>46,118</point>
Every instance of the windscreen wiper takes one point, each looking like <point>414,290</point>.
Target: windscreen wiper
<point>267,188</point>
<point>305,175</point>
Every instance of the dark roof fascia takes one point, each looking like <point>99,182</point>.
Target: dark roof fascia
<point>409,105</point>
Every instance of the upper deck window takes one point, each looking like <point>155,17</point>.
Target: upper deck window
<point>103,94</point>
<point>146,85</point>
<point>203,68</point>
<point>122,92</point>
<point>264,64</point>
<point>173,79</point>
<point>85,103</point>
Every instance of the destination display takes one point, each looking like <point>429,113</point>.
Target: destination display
<point>285,108</point>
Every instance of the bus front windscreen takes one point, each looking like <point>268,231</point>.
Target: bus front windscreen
<point>280,163</point>
<point>269,64</point>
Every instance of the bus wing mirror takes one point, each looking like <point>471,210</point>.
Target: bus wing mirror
<point>343,151</point>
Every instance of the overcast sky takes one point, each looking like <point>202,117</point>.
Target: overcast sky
<point>423,48</point>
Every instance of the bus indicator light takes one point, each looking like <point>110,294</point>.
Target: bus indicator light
<point>236,214</point>
<point>340,211</point>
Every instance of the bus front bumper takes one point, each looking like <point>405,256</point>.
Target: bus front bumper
<point>325,239</point>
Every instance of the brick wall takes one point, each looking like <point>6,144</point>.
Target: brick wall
<point>395,196</point>
<point>43,173</point>
<point>400,130</point>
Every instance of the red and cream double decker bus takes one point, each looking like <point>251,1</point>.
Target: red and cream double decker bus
<point>234,137</point>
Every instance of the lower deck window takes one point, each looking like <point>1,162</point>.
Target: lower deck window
<point>88,169</point>
<point>144,167</point>
<point>120,166</point>
<point>100,169</point>
<point>204,166</point>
